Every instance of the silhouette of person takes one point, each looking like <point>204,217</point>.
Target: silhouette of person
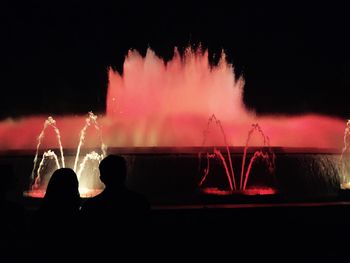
<point>56,220</point>
<point>117,212</point>
<point>12,220</point>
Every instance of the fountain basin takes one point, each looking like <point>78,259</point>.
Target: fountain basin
<point>171,175</point>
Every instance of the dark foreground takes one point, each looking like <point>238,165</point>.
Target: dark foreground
<point>279,232</point>
<point>263,232</point>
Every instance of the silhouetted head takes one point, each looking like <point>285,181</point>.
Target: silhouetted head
<point>113,171</point>
<point>63,187</point>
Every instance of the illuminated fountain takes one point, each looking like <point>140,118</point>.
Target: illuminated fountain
<point>345,160</point>
<point>87,170</point>
<point>264,154</point>
<point>153,104</point>
<point>156,109</point>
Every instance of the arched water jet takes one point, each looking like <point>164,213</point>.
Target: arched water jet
<point>264,154</point>
<point>90,156</point>
<point>50,122</point>
<point>229,171</point>
<point>91,120</point>
<point>268,157</point>
<point>46,155</point>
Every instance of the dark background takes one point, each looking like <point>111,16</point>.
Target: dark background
<point>54,55</point>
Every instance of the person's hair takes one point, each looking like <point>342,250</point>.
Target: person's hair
<point>113,170</point>
<point>63,186</point>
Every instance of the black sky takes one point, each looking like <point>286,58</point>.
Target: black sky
<point>54,57</point>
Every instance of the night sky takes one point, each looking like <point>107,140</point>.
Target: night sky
<point>294,57</point>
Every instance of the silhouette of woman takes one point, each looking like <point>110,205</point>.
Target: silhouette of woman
<point>56,221</point>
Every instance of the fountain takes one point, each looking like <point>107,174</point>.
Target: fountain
<point>344,159</point>
<point>155,114</point>
<point>85,175</point>
<point>265,154</point>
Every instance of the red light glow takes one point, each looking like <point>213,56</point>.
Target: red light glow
<point>250,191</point>
<point>153,104</point>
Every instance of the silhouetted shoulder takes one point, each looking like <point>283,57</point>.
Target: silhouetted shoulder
<point>123,200</point>
<point>138,200</point>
